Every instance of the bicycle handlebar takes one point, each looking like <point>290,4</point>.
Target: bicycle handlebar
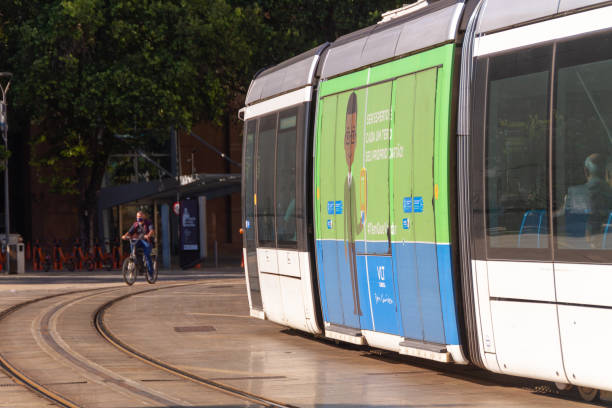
<point>136,240</point>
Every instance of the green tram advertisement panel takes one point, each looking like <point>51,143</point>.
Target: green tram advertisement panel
<point>382,199</point>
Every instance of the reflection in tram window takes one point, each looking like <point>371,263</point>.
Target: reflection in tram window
<point>285,179</point>
<point>516,150</point>
<point>583,145</point>
<point>249,207</point>
<point>249,214</point>
<point>266,142</point>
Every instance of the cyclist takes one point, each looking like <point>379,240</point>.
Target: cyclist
<point>143,231</point>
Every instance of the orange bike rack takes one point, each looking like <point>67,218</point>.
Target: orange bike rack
<point>37,257</point>
<point>77,255</point>
<point>101,257</point>
<point>58,257</point>
<point>117,256</point>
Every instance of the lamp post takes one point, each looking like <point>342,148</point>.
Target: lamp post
<point>5,77</point>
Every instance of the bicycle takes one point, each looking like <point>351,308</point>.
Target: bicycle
<point>61,260</point>
<point>46,262</point>
<point>82,258</point>
<point>117,255</point>
<point>135,265</point>
<point>101,259</point>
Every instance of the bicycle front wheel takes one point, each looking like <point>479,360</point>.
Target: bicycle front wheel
<point>129,271</point>
<point>152,277</point>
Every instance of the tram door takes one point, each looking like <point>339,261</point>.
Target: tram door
<point>249,217</point>
<point>374,263</point>
<point>334,271</point>
<point>415,248</point>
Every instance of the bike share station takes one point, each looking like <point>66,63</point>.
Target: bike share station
<point>176,206</point>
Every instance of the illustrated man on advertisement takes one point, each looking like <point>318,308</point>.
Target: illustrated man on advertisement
<point>353,219</point>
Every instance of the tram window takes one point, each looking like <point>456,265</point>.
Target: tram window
<point>286,179</point>
<point>249,208</point>
<point>582,164</point>
<point>266,142</point>
<point>516,151</point>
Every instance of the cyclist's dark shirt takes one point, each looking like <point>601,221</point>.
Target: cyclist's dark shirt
<point>141,230</point>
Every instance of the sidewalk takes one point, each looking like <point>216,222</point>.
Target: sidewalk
<point>64,280</point>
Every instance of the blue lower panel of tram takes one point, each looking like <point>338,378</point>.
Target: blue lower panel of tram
<point>409,294</point>
<point>337,299</point>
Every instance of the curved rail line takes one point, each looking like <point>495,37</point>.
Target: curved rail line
<point>107,334</point>
<point>83,363</point>
<point>39,389</point>
<point>23,379</point>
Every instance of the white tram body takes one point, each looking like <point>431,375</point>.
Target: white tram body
<point>543,310</point>
<point>280,280</point>
<point>530,136</point>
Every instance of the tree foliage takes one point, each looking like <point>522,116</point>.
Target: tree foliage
<point>289,27</point>
<point>86,70</point>
<point>4,155</point>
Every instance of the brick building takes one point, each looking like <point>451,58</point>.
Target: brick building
<point>39,214</point>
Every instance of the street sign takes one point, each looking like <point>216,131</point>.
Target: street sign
<point>176,207</point>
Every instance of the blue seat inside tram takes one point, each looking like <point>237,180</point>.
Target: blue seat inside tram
<point>575,224</point>
<point>534,222</point>
<point>605,232</point>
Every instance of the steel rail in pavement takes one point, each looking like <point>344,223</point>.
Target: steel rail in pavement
<point>111,338</point>
<point>23,379</point>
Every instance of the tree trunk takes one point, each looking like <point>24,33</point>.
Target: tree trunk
<point>91,181</point>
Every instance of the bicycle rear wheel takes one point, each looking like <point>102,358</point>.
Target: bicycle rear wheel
<point>129,271</point>
<point>152,277</point>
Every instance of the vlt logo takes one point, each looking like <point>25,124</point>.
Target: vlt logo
<point>380,270</point>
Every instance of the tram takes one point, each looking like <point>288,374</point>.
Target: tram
<point>438,185</point>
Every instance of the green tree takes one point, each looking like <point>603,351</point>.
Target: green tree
<point>4,155</point>
<point>86,70</point>
<point>289,27</point>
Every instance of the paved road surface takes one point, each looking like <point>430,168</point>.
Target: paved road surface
<point>202,327</point>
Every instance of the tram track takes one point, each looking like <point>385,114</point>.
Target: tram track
<point>77,330</point>
<point>50,341</point>
<point>18,375</point>
<point>105,332</point>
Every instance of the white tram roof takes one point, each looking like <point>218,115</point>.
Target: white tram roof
<point>290,75</point>
<point>500,14</point>
<point>437,23</point>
